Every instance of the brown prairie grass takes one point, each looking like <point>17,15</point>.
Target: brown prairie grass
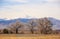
<point>24,36</point>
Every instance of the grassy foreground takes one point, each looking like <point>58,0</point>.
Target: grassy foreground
<point>20,36</point>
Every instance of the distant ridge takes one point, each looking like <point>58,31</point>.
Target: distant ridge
<point>55,22</point>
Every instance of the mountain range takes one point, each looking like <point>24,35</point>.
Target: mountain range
<point>55,22</point>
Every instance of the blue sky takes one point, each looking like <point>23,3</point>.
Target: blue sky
<point>29,8</point>
<point>19,2</point>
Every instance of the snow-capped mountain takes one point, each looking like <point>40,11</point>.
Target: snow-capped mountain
<point>55,22</point>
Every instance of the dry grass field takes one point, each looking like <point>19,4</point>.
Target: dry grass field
<point>16,36</point>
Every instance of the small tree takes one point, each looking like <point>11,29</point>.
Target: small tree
<point>5,31</point>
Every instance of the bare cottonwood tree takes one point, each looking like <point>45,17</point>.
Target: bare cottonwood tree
<point>20,28</point>
<point>46,26</point>
<point>14,27</point>
<point>35,27</point>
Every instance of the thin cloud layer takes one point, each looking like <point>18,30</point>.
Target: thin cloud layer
<point>15,0</point>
